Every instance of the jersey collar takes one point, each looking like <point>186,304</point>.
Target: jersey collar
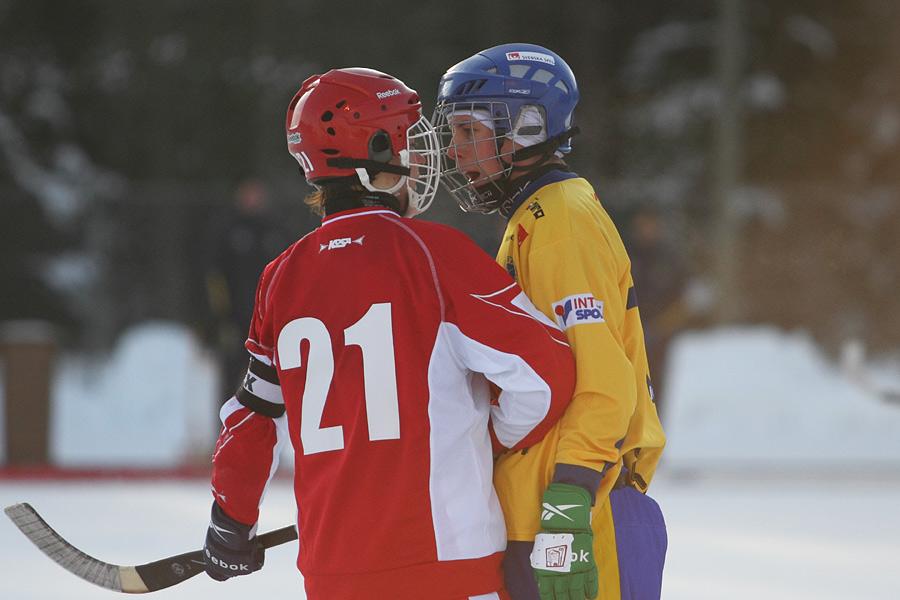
<point>358,212</point>
<point>530,187</point>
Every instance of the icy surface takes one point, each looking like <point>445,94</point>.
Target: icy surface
<point>728,540</point>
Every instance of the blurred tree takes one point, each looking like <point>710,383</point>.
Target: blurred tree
<point>129,123</point>
<point>27,240</point>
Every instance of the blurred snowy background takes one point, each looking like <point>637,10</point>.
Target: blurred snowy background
<point>747,149</point>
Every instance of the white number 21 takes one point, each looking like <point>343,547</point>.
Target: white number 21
<point>374,335</point>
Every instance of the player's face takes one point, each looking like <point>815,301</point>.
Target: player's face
<point>474,149</point>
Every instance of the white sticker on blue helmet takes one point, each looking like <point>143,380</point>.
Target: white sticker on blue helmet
<point>533,56</point>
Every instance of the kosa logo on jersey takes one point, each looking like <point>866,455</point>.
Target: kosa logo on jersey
<point>574,310</point>
<point>535,56</point>
<point>340,243</point>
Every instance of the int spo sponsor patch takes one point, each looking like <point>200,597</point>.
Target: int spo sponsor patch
<point>578,309</point>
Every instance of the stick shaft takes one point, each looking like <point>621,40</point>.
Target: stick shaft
<point>138,579</point>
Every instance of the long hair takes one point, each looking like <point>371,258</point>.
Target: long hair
<point>316,199</point>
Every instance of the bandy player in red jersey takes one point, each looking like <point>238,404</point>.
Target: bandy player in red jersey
<point>372,345</point>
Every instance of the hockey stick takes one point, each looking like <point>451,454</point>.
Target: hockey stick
<point>139,579</point>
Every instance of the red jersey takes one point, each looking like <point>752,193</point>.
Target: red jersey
<point>384,333</point>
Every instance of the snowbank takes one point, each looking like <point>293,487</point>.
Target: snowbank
<point>152,403</point>
<point>738,399</point>
<point>760,398</point>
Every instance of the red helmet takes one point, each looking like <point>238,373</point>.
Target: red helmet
<point>354,122</point>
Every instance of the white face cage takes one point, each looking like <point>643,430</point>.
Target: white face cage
<point>422,157</point>
<point>474,166</point>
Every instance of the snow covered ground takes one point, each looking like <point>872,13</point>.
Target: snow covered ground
<point>735,539</point>
<point>781,479</point>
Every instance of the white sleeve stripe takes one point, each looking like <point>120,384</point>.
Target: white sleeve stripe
<point>498,292</point>
<point>526,309</point>
<point>228,409</point>
<point>526,305</point>
<point>281,438</point>
<point>261,357</point>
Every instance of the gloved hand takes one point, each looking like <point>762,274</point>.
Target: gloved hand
<point>563,554</point>
<point>231,548</point>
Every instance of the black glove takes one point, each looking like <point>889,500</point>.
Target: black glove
<point>231,548</point>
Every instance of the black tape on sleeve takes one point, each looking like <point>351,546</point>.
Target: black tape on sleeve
<point>263,371</point>
<point>632,299</point>
<point>258,370</point>
<point>258,405</point>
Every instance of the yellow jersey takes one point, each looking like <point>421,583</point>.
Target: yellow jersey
<point>566,254</point>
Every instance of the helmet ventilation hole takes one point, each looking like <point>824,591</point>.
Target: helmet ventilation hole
<point>380,146</point>
<point>470,87</point>
<point>543,76</point>
<point>518,71</point>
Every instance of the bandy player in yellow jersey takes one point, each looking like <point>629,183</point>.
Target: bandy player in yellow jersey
<point>579,521</point>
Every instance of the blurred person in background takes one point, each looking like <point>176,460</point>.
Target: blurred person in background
<point>660,278</point>
<point>579,522</point>
<point>372,344</point>
<point>236,247</point>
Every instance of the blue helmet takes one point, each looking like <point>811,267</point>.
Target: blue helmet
<point>524,93</point>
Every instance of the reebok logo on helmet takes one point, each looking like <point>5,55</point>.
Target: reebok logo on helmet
<point>388,94</point>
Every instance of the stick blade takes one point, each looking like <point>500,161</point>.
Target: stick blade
<point>62,552</point>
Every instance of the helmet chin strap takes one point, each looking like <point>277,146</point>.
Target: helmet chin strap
<point>547,148</point>
<point>363,175</point>
<point>506,187</point>
<point>366,183</point>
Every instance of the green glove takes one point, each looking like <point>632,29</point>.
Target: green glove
<point>563,554</point>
